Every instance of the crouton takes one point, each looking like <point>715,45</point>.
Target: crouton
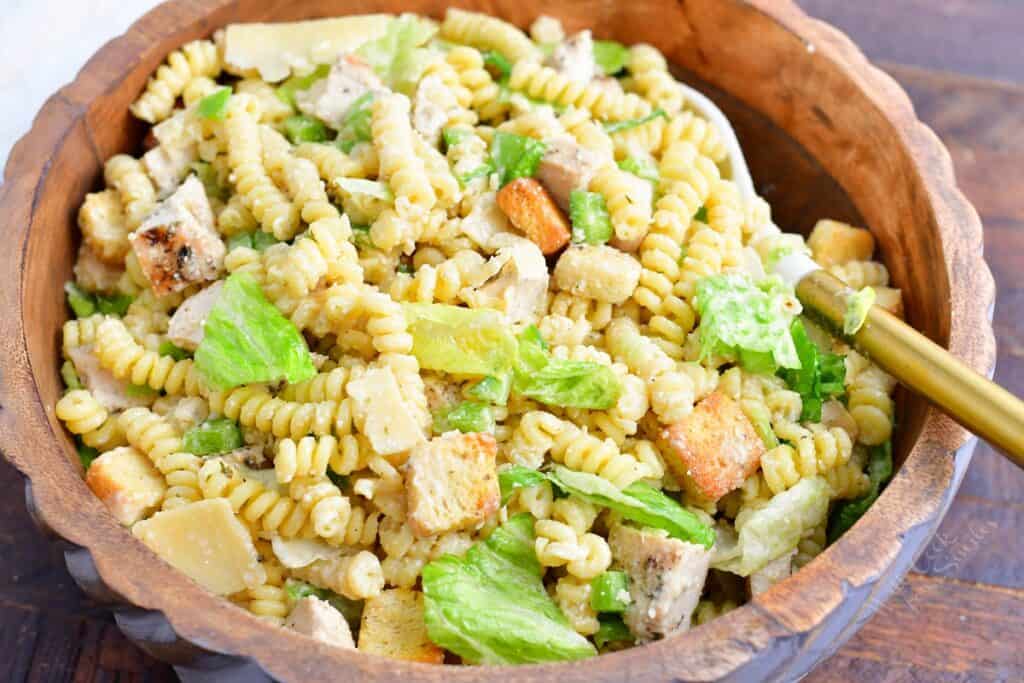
<point>834,243</point>
<point>185,328</point>
<point>127,483</point>
<point>382,415</point>
<point>890,299</point>
<point>714,448</point>
<point>666,577</point>
<point>515,280</point>
<point>392,626</point>
<point>319,620</point>
<point>531,209</point>
<point>566,166</point>
<point>452,483</point>
<point>177,244</point>
<point>597,272</point>
<point>206,541</point>
<point>770,574</point>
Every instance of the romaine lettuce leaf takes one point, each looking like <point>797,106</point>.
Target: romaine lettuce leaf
<point>247,340</point>
<point>515,156</point>
<point>609,592</point>
<point>215,105</point>
<point>490,607</point>
<point>468,416</point>
<point>819,377</point>
<point>301,128</point>
<point>846,513</point>
<point>610,56</point>
<point>370,188</point>
<point>518,477</point>
<point>491,389</point>
<point>638,502</point>
<point>286,91</point>
<point>588,213</point>
<point>775,529</point>
<point>565,383</point>
<point>70,376</point>
<point>498,65</point>
<point>611,630</point>
<point>356,126</point>
<point>397,56</point>
<point>613,127</point>
<point>746,322</point>
<point>642,168</point>
<point>457,340</point>
<point>219,435</point>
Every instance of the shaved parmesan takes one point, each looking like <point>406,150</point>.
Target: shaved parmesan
<point>206,541</point>
<point>274,51</point>
<point>300,552</point>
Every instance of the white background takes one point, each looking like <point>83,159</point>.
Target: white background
<point>43,44</point>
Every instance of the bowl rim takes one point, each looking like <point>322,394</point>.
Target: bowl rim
<point>773,617</point>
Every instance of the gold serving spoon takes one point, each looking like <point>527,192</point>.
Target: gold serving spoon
<point>980,405</point>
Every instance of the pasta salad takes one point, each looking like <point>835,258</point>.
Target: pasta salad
<point>452,342</point>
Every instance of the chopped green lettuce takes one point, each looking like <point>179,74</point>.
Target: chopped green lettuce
<point>170,349</point>
<point>517,477</point>
<point>611,630</point>
<point>352,610</point>
<point>641,167</point>
<point>370,188</point>
<point>565,383</point>
<point>591,222</point>
<point>361,236</point>
<point>481,171</point>
<point>820,376</point>
<point>464,341</point>
<point>610,56</point>
<point>286,91</point>
<point>257,240</point>
<point>639,502</point>
<point>113,304</point>
<point>70,376</point>
<point>140,391</point>
<point>492,389</point>
<point>613,127</point>
<point>218,435</point>
<point>356,126</point>
<point>515,156</point>
<point>247,340</point>
<point>453,136</point>
<point>609,592</point>
<point>208,177</point>
<point>701,215</point>
<point>772,531</point>
<point>81,302</point>
<point>746,322</point>
<point>845,514</point>
<point>215,105</point>
<point>857,310</point>
<point>301,128</point>
<point>397,56</point>
<point>499,66</point>
<point>490,606</point>
<point>468,416</point>
<point>86,454</point>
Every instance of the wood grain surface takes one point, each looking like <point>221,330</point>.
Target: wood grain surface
<point>961,615</point>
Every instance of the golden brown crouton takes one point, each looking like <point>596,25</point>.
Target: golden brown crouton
<point>531,209</point>
<point>127,483</point>
<point>833,243</point>
<point>392,626</point>
<point>452,483</point>
<point>715,447</point>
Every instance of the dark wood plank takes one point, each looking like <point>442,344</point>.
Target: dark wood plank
<point>978,37</point>
<point>936,629</point>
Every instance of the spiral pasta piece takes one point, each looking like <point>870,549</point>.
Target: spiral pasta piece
<point>268,601</point>
<point>630,214</point>
<point>307,457</point>
<point>399,165</point>
<point>158,440</point>
<point>81,412</point>
<point>254,406</point>
<point>441,283</point>
<point>325,386</point>
<point>332,515</point>
<point>275,213</point>
<point>127,360</point>
<point>573,598</point>
<point>652,80</point>
<point>871,406</point>
<point>702,134</point>
<point>486,33</point>
<point>262,508</point>
<point>815,450</point>
<point>405,555</point>
<point>104,226</point>
<point>357,577</point>
<point>198,58</point>
<point>544,83</point>
<point>485,94</point>
<point>138,196</point>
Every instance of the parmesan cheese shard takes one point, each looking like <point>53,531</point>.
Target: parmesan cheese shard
<point>382,414</point>
<point>274,51</point>
<point>127,483</point>
<point>206,541</point>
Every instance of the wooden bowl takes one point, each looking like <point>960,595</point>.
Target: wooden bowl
<point>828,136</point>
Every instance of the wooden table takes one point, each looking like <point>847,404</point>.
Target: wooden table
<point>960,615</point>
